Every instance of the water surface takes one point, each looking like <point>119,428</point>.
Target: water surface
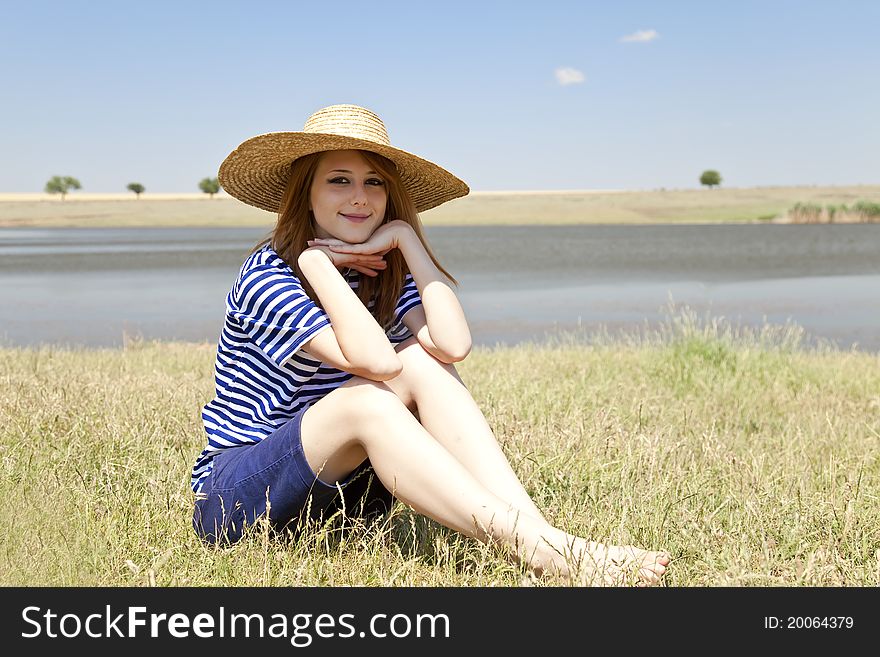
<point>93,286</point>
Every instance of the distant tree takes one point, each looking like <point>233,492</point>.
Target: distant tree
<point>710,178</point>
<point>62,185</point>
<point>137,188</point>
<point>210,186</point>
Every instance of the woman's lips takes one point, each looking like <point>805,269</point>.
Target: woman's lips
<point>358,219</point>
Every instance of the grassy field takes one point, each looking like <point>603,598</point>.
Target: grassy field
<point>752,459</point>
<point>761,204</point>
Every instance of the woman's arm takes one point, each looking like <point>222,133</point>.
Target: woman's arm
<point>444,331</point>
<point>355,342</point>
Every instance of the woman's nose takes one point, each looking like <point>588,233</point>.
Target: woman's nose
<point>359,194</point>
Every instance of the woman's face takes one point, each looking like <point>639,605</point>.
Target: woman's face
<point>347,197</point>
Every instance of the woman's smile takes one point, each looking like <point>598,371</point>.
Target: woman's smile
<point>356,218</point>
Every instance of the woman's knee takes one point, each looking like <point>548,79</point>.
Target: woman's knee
<point>371,402</point>
<point>421,371</point>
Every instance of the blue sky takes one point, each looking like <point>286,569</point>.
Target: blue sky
<point>507,95</point>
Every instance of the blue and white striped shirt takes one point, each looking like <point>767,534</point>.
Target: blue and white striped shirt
<point>262,378</point>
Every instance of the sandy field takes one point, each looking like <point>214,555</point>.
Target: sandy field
<point>739,205</point>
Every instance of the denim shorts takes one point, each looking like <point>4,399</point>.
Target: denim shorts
<point>275,469</point>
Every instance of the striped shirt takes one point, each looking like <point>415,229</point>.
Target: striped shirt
<point>262,378</point>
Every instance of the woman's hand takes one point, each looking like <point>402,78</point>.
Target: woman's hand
<point>366,263</point>
<point>385,238</point>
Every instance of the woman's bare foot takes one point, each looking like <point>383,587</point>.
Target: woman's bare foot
<point>596,564</point>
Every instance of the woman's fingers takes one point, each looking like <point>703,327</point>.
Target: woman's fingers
<point>370,261</point>
<point>325,241</point>
<point>334,245</point>
<point>370,247</point>
<point>364,270</point>
<point>369,265</point>
<point>338,246</point>
<point>364,249</point>
<point>366,263</point>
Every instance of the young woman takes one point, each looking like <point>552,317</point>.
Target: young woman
<point>335,363</point>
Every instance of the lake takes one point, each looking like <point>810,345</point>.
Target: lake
<point>82,286</point>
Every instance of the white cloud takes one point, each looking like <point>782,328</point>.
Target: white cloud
<point>642,36</point>
<point>567,75</point>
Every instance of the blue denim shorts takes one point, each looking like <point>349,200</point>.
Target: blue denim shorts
<point>275,469</point>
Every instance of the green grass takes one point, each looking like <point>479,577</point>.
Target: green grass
<point>813,213</point>
<point>753,459</point>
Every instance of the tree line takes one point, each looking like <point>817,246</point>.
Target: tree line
<point>65,184</point>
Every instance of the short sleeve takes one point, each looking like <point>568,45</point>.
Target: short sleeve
<point>272,308</point>
<point>409,299</point>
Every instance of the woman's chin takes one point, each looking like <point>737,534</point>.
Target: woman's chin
<point>354,236</point>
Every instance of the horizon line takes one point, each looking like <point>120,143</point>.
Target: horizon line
<point>95,196</point>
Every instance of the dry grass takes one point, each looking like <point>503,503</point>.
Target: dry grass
<point>499,208</point>
<point>751,459</point>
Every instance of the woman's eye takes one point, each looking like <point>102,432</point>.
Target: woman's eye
<point>376,182</point>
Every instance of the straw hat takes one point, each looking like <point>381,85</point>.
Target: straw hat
<point>257,171</point>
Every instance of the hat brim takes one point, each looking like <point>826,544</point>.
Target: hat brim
<point>257,171</point>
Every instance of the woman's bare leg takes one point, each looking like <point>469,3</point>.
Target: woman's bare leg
<point>366,419</point>
<point>450,414</point>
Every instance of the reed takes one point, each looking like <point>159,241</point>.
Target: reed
<point>814,213</point>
